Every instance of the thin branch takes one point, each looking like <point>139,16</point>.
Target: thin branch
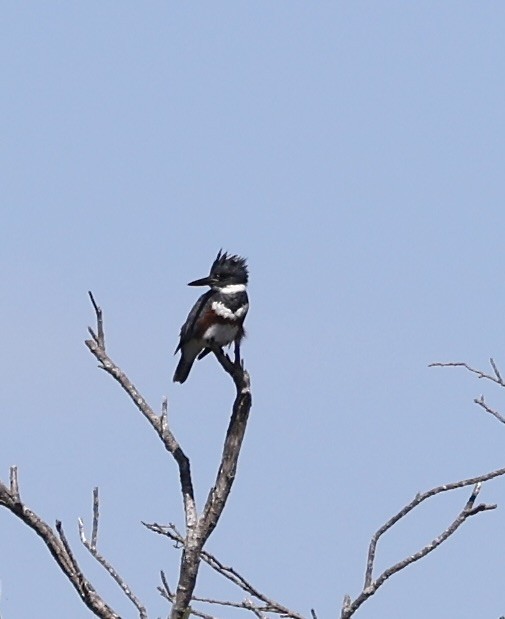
<point>244,605</point>
<point>496,371</point>
<point>229,573</point>
<point>164,414</point>
<point>481,402</point>
<point>99,337</point>
<point>247,604</point>
<point>349,606</point>
<point>96,516</point>
<point>91,547</point>
<point>167,593</point>
<point>58,547</point>
<point>455,364</point>
<point>418,499</point>
<point>14,484</point>
<point>97,348</point>
<point>497,378</point>
<point>66,545</point>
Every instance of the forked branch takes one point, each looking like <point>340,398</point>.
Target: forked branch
<point>264,604</point>
<point>495,377</point>
<point>350,606</point>
<point>198,528</point>
<point>90,545</point>
<point>58,546</point>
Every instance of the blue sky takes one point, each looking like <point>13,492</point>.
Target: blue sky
<point>354,152</point>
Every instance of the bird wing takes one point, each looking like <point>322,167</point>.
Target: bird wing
<point>187,327</point>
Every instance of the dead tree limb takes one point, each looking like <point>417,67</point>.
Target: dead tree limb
<point>268,605</point>
<point>483,404</point>
<point>350,606</point>
<point>495,377</point>
<point>90,545</point>
<point>97,347</point>
<point>198,528</point>
<point>58,547</point>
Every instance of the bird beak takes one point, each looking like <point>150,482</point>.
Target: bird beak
<point>204,281</point>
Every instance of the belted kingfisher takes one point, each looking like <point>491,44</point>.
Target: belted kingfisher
<point>218,315</point>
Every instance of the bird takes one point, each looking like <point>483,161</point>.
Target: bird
<point>217,318</point>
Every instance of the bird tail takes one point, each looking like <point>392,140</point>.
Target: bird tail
<point>183,369</point>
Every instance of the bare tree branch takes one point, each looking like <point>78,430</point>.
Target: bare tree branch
<point>481,402</point>
<point>246,604</point>
<point>269,605</point>
<point>58,547</point>
<point>91,547</point>
<point>96,517</point>
<point>167,593</point>
<point>218,495</point>
<point>461,364</point>
<point>496,378</point>
<point>97,348</point>
<point>350,606</point>
<point>99,337</point>
<point>198,530</point>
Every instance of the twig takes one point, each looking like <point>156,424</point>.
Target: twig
<point>96,516</point>
<point>495,369</point>
<point>455,364</point>
<point>418,499</point>
<point>58,547</point>
<point>244,605</point>
<point>164,414</point>
<point>66,545</point>
<point>167,593</point>
<point>14,484</point>
<point>229,573</point>
<point>103,562</point>
<point>497,378</point>
<point>349,606</point>
<point>166,436</point>
<point>99,337</point>
<point>481,402</point>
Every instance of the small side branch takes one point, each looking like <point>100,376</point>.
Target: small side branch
<point>495,377</point>
<point>99,336</point>
<point>96,346</point>
<point>268,604</point>
<point>91,547</point>
<point>370,586</point>
<point>482,403</point>
<point>57,545</point>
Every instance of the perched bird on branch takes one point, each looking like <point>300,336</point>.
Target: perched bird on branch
<point>218,315</point>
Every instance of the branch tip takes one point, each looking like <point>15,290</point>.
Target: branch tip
<point>14,484</point>
<point>99,337</point>
<point>96,515</point>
